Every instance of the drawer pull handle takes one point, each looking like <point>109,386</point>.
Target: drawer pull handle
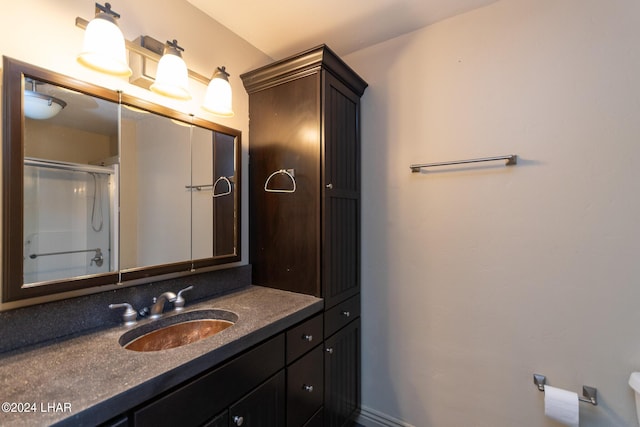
<point>307,337</point>
<point>329,186</point>
<point>238,420</point>
<point>308,388</point>
<point>346,313</point>
<point>329,350</point>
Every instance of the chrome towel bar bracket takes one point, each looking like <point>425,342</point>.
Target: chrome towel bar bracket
<point>590,393</point>
<point>511,159</point>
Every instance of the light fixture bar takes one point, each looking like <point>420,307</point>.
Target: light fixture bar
<point>134,47</point>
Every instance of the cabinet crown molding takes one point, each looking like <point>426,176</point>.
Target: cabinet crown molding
<point>300,65</point>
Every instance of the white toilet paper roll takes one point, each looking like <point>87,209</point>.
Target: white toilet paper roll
<point>561,405</point>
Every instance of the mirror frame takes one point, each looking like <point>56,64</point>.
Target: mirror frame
<point>14,72</point>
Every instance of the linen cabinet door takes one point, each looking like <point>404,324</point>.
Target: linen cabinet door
<point>341,201</point>
<point>285,224</point>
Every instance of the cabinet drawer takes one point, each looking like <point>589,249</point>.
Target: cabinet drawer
<point>304,337</point>
<point>305,387</point>
<point>201,399</point>
<point>340,315</point>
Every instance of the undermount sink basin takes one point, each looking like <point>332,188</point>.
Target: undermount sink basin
<point>176,331</point>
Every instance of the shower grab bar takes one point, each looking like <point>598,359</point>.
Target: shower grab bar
<point>511,159</point>
<point>590,393</point>
<point>97,258</point>
<point>224,179</point>
<point>290,173</point>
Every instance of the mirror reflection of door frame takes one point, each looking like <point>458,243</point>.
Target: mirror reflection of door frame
<point>235,178</point>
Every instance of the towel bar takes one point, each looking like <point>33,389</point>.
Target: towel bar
<point>511,159</point>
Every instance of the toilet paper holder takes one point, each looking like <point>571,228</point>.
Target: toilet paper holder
<point>590,393</point>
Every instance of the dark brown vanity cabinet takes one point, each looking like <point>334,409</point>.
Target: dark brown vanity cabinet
<point>305,381</point>
<point>304,196</point>
<point>277,383</point>
<point>249,391</point>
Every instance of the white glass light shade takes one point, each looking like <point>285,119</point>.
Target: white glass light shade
<point>218,98</point>
<point>40,106</point>
<point>104,47</point>
<point>172,77</point>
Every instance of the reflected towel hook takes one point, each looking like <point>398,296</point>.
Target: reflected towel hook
<point>590,393</point>
<point>225,179</point>
<point>290,173</point>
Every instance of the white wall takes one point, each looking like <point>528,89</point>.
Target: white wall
<point>475,278</point>
<point>44,33</point>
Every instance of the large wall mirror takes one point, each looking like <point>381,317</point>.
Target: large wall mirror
<point>102,188</point>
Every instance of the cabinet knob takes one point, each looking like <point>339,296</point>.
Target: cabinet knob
<point>238,420</point>
<point>308,388</point>
<point>329,350</point>
<point>329,186</point>
<point>308,338</point>
<point>346,313</point>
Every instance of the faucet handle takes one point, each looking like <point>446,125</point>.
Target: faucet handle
<point>178,304</point>
<point>129,316</point>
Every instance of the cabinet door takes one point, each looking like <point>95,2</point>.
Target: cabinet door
<point>304,388</point>
<point>342,375</point>
<point>263,407</point>
<point>341,191</point>
<point>285,226</point>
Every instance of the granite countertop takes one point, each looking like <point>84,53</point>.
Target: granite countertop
<point>91,378</point>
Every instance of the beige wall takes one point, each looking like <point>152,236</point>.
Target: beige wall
<point>474,279</point>
<point>44,33</point>
<point>66,144</point>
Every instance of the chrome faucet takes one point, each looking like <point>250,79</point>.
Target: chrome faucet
<point>158,303</point>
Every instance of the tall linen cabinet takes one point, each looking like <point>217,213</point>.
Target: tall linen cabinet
<point>304,202</point>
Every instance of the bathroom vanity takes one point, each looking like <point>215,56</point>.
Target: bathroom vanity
<point>263,370</point>
<point>292,357</point>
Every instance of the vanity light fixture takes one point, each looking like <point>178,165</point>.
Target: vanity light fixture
<point>104,45</point>
<point>218,97</point>
<point>172,77</point>
<point>41,106</point>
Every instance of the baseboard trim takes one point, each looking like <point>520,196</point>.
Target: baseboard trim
<point>371,418</point>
